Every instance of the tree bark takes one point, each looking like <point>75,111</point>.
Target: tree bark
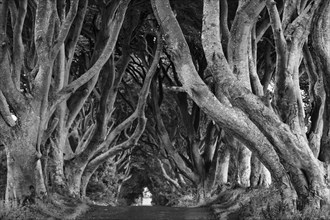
<point>250,120</point>
<point>138,115</point>
<point>229,118</point>
<point>19,135</point>
<point>23,160</point>
<point>76,166</point>
<point>223,167</point>
<point>320,50</point>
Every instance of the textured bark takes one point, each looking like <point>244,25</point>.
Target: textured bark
<point>238,49</point>
<point>239,57</point>
<point>211,182</point>
<point>320,50</point>
<point>317,100</point>
<point>223,167</point>
<point>18,47</point>
<point>255,176</point>
<point>138,115</point>
<point>231,119</point>
<point>244,21</point>
<point>203,164</point>
<point>225,33</point>
<point>52,61</point>
<point>61,78</point>
<point>287,94</point>
<point>104,48</point>
<point>23,161</point>
<point>259,172</point>
<point>269,70</point>
<point>55,29</point>
<point>166,143</point>
<point>261,121</point>
<point>18,136</point>
<point>167,177</point>
<point>244,165</point>
<point>193,143</point>
<point>210,156</point>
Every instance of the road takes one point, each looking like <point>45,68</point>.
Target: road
<point>147,213</point>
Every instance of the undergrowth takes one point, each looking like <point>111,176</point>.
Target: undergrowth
<point>267,205</point>
<point>12,211</point>
<point>52,207</point>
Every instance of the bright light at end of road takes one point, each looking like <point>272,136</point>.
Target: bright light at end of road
<point>146,199</point>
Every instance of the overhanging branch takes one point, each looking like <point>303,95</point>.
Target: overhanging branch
<point>18,47</point>
<point>65,27</point>
<point>68,90</point>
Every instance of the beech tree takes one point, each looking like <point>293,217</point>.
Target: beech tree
<point>43,99</point>
<point>275,133</point>
<point>199,168</point>
<point>190,150</point>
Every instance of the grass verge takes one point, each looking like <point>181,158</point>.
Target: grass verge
<point>51,208</point>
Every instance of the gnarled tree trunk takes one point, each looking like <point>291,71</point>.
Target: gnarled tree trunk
<point>250,120</point>
<point>23,160</point>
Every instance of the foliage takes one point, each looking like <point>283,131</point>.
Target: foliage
<point>280,211</point>
<point>274,211</point>
<point>187,200</point>
<point>11,211</point>
<point>104,184</point>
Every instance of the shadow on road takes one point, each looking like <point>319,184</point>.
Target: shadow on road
<point>148,213</point>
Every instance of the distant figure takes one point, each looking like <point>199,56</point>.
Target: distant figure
<point>31,199</point>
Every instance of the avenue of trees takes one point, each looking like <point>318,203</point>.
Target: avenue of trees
<point>188,92</point>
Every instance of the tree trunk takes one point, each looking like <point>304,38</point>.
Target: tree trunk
<point>223,167</point>
<point>111,24</point>
<point>244,165</point>
<point>73,173</point>
<point>201,193</point>
<point>263,130</point>
<point>61,78</point>
<point>238,48</point>
<point>57,150</point>
<point>320,54</point>
<point>259,172</point>
<point>261,176</point>
<point>23,161</point>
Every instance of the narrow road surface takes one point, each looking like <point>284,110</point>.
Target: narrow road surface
<point>148,213</point>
